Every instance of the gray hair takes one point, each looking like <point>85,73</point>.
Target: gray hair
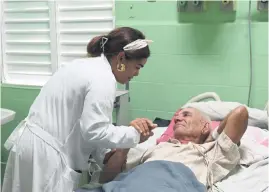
<point>203,114</point>
<point>208,120</point>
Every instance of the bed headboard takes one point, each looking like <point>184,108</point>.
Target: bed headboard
<point>206,95</point>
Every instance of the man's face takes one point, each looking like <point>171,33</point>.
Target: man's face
<point>190,125</point>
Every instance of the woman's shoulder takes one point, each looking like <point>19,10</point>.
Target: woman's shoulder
<point>92,65</point>
<point>90,69</point>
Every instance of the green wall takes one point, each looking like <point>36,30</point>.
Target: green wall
<point>207,53</point>
<point>194,53</point>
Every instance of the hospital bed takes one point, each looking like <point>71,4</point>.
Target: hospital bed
<point>250,178</point>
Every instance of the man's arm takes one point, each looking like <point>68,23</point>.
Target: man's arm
<point>234,125</point>
<point>114,165</point>
<point>226,154</point>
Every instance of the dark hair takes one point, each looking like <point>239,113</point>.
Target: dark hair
<point>116,40</point>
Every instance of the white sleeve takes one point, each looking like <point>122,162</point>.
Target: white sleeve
<point>95,122</point>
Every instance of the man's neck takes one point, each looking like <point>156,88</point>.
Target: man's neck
<point>186,140</point>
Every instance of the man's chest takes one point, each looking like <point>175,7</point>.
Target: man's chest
<point>191,156</point>
<point>175,153</point>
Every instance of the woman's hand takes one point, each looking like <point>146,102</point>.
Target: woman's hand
<point>143,126</point>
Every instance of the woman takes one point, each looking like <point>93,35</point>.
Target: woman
<point>71,117</point>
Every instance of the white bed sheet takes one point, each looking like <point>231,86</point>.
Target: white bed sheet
<point>251,179</point>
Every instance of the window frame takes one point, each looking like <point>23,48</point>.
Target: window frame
<point>55,50</point>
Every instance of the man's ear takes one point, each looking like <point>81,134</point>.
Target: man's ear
<point>205,133</point>
<point>206,129</point>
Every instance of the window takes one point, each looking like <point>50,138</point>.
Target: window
<point>38,37</point>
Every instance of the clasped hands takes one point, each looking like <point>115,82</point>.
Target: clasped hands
<point>144,126</point>
<point>119,156</point>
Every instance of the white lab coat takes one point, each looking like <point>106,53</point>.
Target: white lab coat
<point>70,119</point>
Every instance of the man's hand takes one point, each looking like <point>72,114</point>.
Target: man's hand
<point>143,126</point>
<point>145,138</point>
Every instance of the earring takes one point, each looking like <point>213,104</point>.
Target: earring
<point>121,67</point>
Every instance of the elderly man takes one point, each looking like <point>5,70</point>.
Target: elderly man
<point>210,156</point>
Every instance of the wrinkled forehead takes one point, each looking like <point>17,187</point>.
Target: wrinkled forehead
<point>193,114</point>
<point>191,111</point>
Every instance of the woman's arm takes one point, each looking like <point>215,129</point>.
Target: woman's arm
<point>95,122</point>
